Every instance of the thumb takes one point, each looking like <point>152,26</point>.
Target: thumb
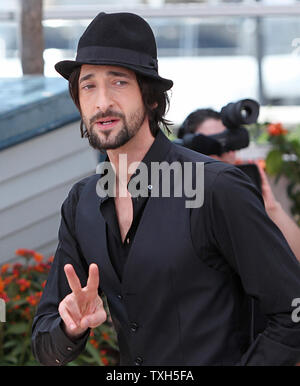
<point>94,320</point>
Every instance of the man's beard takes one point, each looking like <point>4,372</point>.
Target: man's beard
<point>128,130</point>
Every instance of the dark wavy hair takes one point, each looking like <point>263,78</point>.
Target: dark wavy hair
<point>195,119</point>
<point>152,94</point>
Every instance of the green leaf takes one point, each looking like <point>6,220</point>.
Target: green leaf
<point>84,359</point>
<point>18,328</point>
<point>19,302</point>
<point>10,344</point>
<point>13,356</point>
<point>274,162</point>
<point>94,353</point>
<point>10,359</point>
<point>263,138</point>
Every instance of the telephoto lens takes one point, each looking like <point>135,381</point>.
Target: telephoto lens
<point>243,112</point>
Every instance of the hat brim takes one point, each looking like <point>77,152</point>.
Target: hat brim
<point>66,67</point>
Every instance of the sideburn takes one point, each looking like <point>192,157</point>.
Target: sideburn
<point>74,93</point>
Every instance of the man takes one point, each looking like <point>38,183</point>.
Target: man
<point>208,122</point>
<point>178,280</point>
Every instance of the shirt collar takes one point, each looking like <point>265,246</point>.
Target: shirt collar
<point>156,153</point>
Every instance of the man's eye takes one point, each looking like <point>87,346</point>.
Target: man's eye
<point>87,86</point>
<point>120,82</point>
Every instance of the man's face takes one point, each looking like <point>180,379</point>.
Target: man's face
<point>111,105</point>
<point>213,126</point>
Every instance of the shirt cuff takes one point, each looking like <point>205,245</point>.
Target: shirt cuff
<point>67,349</point>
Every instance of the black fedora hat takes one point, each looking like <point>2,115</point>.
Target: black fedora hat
<point>120,39</point>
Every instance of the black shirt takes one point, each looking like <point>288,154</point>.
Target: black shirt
<point>118,250</point>
<point>232,220</point>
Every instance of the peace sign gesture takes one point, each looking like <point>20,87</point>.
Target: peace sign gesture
<point>83,307</point>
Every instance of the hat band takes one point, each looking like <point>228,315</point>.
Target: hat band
<point>96,54</point>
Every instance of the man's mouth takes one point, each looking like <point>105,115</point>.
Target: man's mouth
<point>107,123</point>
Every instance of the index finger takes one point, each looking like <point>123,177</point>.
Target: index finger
<point>72,278</point>
<point>93,279</point>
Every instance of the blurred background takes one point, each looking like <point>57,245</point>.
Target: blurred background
<point>215,51</point>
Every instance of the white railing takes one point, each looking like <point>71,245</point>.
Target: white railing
<point>168,10</point>
<point>179,10</point>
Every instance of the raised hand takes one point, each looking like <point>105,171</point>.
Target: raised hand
<point>83,307</point>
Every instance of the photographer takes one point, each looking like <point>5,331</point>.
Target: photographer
<point>221,143</point>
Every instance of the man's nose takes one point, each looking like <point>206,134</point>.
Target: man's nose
<point>104,99</point>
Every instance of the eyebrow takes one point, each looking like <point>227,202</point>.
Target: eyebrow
<point>109,73</point>
<point>118,73</point>
<point>86,77</point>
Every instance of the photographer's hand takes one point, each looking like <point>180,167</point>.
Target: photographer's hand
<point>271,204</point>
<point>285,223</point>
<point>83,307</point>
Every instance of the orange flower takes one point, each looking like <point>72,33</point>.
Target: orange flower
<point>39,268</point>
<point>38,257</point>
<point>2,285</point>
<point>275,129</point>
<point>4,268</point>
<point>50,260</point>
<point>32,300</point>
<point>104,361</point>
<point>105,336</point>
<point>25,252</point>
<point>23,284</point>
<point>16,269</point>
<point>20,252</point>
<point>94,343</point>
<point>8,280</point>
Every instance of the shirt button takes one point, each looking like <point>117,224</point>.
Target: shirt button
<point>134,326</point>
<point>138,361</point>
<point>120,297</point>
<point>127,240</point>
<point>69,348</point>
<point>150,187</point>
<point>57,360</point>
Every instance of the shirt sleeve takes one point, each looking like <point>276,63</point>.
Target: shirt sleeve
<point>50,345</point>
<point>256,249</point>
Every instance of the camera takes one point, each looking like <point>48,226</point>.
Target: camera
<point>235,137</point>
